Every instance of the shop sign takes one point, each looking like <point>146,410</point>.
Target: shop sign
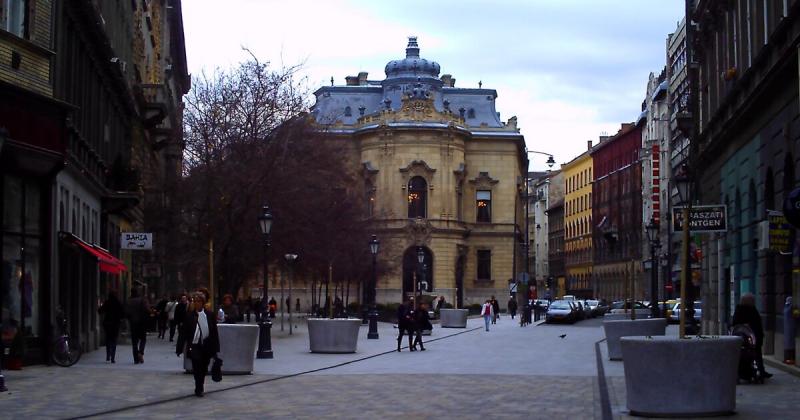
<point>779,232</point>
<point>702,219</point>
<point>134,240</point>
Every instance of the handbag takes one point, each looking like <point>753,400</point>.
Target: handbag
<point>216,370</point>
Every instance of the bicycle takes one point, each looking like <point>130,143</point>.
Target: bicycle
<point>66,351</point>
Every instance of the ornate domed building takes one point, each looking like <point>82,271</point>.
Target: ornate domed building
<point>443,176</point>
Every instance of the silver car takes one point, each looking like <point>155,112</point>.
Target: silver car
<point>676,312</point>
<point>561,310</point>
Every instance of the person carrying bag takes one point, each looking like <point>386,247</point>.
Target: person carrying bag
<point>199,338</point>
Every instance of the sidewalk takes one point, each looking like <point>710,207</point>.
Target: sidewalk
<point>777,398</point>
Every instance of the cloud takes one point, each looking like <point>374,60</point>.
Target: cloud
<point>569,69</point>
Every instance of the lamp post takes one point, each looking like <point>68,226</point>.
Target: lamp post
<point>655,243</point>
<point>374,246</point>
<point>683,182</point>
<point>264,339</point>
<point>420,268</point>
<point>290,258</point>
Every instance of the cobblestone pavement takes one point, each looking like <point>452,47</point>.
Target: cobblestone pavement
<point>508,372</point>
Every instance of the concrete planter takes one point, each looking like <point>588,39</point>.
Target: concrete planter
<point>640,313</point>
<point>337,335</point>
<point>616,329</point>
<point>237,348</point>
<point>453,318</point>
<point>703,379</point>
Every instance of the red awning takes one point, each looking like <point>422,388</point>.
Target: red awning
<point>108,263</point>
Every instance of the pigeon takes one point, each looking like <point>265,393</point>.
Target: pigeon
<point>562,336</point>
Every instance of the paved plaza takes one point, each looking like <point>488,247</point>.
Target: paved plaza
<point>508,372</point>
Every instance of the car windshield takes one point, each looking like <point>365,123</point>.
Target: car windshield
<point>560,305</point>
<point>592,302</point>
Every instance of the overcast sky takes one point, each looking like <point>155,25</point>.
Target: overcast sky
<point>568,69</point>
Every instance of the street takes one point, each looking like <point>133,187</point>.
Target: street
<point>508,372</point>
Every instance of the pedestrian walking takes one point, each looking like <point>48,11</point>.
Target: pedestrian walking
<point>170,309</point>
<point>495,310</point>
<point>161,317</point>
<point>525,318</point>
<point>512,307</point>
<point>231,310</point>
<point>422,322</point>
<point>405,323</point>
<point>179,314</point>
<point>273,307</point>
<point>487,312</point>
<point>112,313</point>
<point>199,338</point>
<point>137,310</point>
<point>297,305</point>
<point>746,313</point>
<point>248,308</point>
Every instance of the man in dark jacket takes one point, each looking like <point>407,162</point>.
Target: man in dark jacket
<point>422,322</point>
<point>180,316</point>
<point>512,306</point>
<point>746,313</point>
<point>405,323</point>
<point>199,337</point>
<point>137,311</point>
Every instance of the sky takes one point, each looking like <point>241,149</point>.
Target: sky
<point>569,70</point>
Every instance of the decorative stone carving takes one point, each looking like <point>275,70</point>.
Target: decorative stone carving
<point>483,181</point>
<point>418,231</point>
<point>460,174</point>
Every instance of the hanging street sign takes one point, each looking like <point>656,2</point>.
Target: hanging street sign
<point>138,241</point>
<point>779,232</point>
<point>702,219</point>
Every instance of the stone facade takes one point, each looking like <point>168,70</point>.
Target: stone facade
<point>444,175</point>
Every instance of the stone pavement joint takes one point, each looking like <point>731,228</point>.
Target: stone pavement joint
<point>257,382</point>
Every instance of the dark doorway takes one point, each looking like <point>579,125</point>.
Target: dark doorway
<point>412,270</point>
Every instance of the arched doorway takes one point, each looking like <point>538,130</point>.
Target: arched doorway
<point>412,269</point>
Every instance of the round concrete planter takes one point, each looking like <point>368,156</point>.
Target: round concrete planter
<point>702,375</point>
<point>616,329</point>
<point>337,335</point>
<point>237,348</point>
<point>453,318</point>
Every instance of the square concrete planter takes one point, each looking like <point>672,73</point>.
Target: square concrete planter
<point>616,329</point>
<point>338,335</point>
<point>237,348</point>
<point>453,318</point>
<point>701,374</point>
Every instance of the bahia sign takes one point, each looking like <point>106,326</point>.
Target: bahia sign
<point>136,240</point>
<point>702,219</point>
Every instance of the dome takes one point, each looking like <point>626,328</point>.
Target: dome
<point>412,65</point>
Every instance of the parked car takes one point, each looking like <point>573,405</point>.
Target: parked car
<point>621,306</point>
<point>561,310</point>
<point>594,307</point>
<point>578,308</point>
<point>568,297</point>
<point>542,303</point>
<point>670,304</point>
<point>675,316</point>
<point>587,310</point>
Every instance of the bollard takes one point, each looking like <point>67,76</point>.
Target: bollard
<point>264,339</point>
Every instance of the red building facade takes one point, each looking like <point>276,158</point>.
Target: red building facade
<point>617,212</point>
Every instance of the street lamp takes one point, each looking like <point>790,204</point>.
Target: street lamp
<point>374,246</point>
<point>420,268</point>
<point>290,258</point>
<point>655,243</point>
<point>683,183</point>
<point>264,327</point>
<point>550,161</point>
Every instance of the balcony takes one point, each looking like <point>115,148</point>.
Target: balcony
<point>157,104</point>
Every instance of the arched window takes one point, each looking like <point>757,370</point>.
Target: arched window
<point>417,197</point>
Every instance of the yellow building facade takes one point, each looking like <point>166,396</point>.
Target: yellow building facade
<point>578,225</point>
<point>444,177</point>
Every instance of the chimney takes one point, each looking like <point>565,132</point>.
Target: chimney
<point>362,78</point>
<point>589,144</point>
<point>351,80</point>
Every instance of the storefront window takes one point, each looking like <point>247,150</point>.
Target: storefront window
<point>21,255</point>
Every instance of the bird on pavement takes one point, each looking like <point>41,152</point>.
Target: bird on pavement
<point>562,336</point>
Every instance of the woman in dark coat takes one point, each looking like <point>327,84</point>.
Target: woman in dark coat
<point>421,322</point>
<point>112,313</point>
<point>199,337</point>
<point>746,313</point>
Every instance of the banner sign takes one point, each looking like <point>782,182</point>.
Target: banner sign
<point>702,219</point>
<point>133,240</point>
<point>779,232</point>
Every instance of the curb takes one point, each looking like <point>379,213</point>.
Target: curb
<point>782,367</point>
